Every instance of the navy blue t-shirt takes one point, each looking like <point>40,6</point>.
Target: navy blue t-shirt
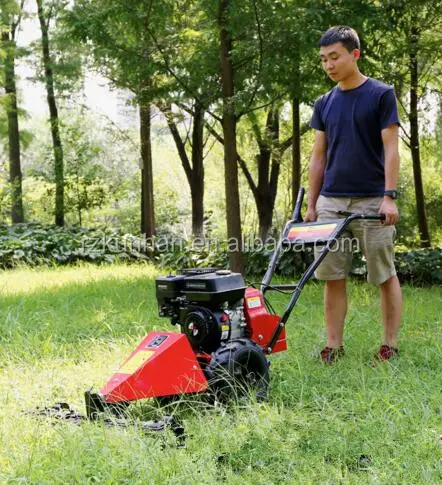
<point>352,121</point>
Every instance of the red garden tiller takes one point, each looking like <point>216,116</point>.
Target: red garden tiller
<point>226,331</point>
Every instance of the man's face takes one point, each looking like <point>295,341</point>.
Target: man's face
<point>337,62</point>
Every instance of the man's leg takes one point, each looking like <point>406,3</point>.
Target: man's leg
<point>335,302</point>
<point>391,303</point>
<point>377,245</point>
<point>334,270</point>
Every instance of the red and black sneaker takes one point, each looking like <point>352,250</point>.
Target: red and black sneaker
<point>387,352</point>
<point>329,354</point>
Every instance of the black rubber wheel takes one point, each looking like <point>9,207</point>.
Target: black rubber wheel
<point>237,369</point>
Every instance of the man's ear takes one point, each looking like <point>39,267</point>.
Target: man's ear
<point>356,54</point>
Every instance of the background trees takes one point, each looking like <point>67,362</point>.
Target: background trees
<point>224,94</point>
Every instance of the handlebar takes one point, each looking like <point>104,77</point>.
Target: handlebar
<point>377,217</point>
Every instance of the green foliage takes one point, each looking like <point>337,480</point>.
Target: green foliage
<point>38,200</point>
<point>84,175</point>
<point>5,200</point>
<point>121,38</point>
<point>101,172</point>
<point>420,266</point>
<point>170,212</point>
<point>37,244</point>
<point>407,227</point>
<point>83,194</point>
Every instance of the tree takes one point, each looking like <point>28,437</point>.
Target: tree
<point>120,37</point>
<point>147,195</point>
<point>190,59</point>
<point>229,120</point>
<point>193,166</point>
<point>268,159</point>
<point>263,80</point>
<point>87,182</point>
<point>44,17</point>
<point>10,20</point>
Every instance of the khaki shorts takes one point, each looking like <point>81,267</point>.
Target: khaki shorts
<point>375,240</point>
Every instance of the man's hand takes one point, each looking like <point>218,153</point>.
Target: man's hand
<point>310,215</point>
<point>389,208</point>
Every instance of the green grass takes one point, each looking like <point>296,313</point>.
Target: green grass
<point>63,331</point>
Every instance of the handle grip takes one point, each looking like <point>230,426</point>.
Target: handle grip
<point>377,217</point>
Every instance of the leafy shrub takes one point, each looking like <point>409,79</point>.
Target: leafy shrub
<point>420,266</point>
<point>179,253</point>
<point>34,244</point>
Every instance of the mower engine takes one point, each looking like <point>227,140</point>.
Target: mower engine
<point>207,305</point>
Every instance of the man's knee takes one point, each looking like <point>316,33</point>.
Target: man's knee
<point>336,284</point>
<point>391,282</point>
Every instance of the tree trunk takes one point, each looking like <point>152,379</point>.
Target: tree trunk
<point>265,191</point>
<point>296,150</point>
<point>414,142</point>
<point>234,235</point>
<point>53,116</point>
<point>197,175</point>
<point>147,208</point>
<point>268,176</point>
<point>15,175</point>
<point>265,215</point>
<point>263,204</point>
<point>194,171</point>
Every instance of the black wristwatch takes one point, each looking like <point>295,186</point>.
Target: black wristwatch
<point>391,193</point>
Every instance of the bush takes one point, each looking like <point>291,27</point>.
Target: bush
<point>420,266</point>
<point>35,244</point>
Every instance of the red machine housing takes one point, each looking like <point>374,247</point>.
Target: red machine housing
<point>261,323</point>
<point>163,364</point>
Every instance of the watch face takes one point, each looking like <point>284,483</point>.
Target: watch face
<point>391,193</point>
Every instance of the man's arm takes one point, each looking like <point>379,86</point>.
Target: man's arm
<point>316,173</point>
<point>390,137</point>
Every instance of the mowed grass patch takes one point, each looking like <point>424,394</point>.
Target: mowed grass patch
<point>66,330</point>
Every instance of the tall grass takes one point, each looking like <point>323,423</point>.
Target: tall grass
<point>63,331</point>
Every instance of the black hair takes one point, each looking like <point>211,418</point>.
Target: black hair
<point>341,33</point>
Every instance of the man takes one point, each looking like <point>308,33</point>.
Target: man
<point>354,167</point>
